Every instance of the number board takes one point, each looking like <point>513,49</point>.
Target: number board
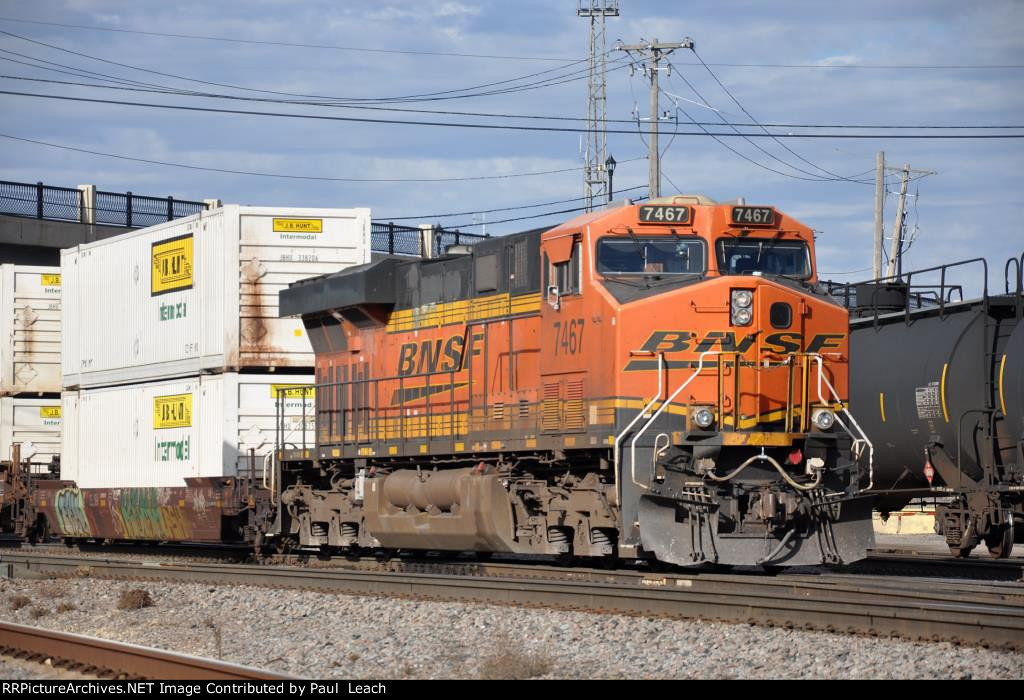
<point>753,216</point>
<point>658,214</point>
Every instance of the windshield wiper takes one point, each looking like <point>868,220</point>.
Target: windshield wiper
<point>636,242</point>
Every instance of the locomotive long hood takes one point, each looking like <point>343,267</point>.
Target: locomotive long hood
<point>373,283</point>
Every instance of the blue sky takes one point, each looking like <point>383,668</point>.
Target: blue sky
<point>970,208</point>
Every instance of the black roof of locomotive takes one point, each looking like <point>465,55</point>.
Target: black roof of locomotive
<point>406,283</point>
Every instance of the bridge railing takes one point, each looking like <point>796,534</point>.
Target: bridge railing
<point>414,241</point>
<point>39,201</point>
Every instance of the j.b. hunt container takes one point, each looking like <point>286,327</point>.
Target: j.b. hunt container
<point>156,434</point>
<point>33,423</point>
<point>29,330</point>
<point>199,294</point>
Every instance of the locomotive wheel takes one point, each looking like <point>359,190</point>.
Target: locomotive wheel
<point>1000,542</point>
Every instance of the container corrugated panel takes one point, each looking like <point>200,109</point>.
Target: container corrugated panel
<point>159,433</point>
<point>33,423</point>
<point>199,294</point>
<point>30,337</point>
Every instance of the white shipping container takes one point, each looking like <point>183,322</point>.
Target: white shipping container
<point>29,330</point>
<point>35,424</point>
<point>199,294</point>
<point>158,433</point>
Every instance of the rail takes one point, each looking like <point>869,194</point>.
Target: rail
<point>118,658</point>
<point>917,608</point>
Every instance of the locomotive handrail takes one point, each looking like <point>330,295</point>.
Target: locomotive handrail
<point>618,438</point>
<point>863,439</point>
<point>860,440</point>
<point>661,409</point>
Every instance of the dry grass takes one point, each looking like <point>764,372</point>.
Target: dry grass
<point>135,599</point>
<point>54,589</point>
<point>218,635</point>
<point>19,601</point>
<point>38,612</point>
<point>66,607</point>
<point>508,663</point>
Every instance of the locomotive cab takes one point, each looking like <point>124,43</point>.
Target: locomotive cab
<point>730,440</point>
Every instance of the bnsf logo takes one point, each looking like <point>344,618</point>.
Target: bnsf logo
<point>441,355</point>
<point>727,341</point>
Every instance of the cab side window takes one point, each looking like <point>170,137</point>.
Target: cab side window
<point>566,275</point>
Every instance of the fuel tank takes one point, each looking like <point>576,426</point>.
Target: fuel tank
<point>923,386</point>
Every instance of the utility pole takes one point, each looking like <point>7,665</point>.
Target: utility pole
<point>895,266</point>
<point>594,180</point>
<point>653,52</point>
<point>897,227</point>
<point>879,212</point>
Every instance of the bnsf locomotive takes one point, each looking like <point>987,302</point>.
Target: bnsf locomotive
<point>663,381</point>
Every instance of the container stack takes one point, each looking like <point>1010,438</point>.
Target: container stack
<point>30,368</point>
<point>173,355</point>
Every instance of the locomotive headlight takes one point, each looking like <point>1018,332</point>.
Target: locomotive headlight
<point>702,417</point>
<point>742,317</point>
<point>823,418</point>
<point>742,298</point>
<point>742,313</point>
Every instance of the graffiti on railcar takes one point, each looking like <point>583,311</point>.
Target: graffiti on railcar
<point>70,508</point>
<point>139,515</point>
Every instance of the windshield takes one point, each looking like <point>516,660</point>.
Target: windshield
<point>661,255</point>
<point>746,256</point>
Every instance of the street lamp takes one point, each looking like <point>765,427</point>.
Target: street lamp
<point>609,165</point>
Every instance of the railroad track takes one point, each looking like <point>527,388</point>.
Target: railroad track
<point>105,657</point>
<point>988,614</point>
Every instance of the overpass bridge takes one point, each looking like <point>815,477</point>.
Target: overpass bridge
<point>37,220</point>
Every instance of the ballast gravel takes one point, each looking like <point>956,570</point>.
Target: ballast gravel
<point>320,635</point>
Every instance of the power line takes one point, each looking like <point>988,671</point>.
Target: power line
<point>490,211</point>
<point>524,218</point>
<point>275,92</point>
<point>444,94</point>
<point>290,176</point>
<point>751,116</point>
<point>736,151</point>
<point>819,66</point>
<point>812,175</point>
<point>288,44</point>
<point>507,127</point>
<point>492,115</point>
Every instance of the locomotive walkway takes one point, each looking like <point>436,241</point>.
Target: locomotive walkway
<point>970,612</point>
